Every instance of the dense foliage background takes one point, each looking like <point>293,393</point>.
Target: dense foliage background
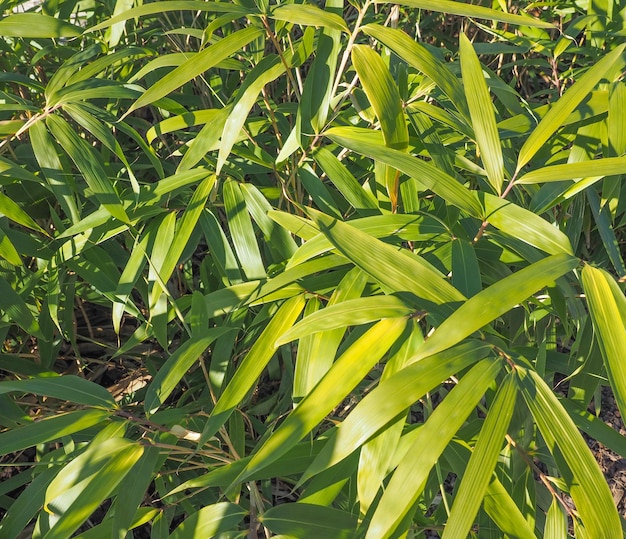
<point>341,269</point>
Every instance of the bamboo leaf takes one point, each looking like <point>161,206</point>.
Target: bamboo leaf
<point>422,59</point>
<point>11,210</point>
<point>575,171</point>
<point>556,522</point>
<point>377,456</point>
<point>195,66</point>
<point>19,312</point>
<point>308,521</point>
<point>210,521</point>
<point>176,366</point>
<point>27,504</point>
<point>317,352</point>
<point>67,388</point>
<point>145,10</point>
<point>482,463</point>
<point>607,307</point>
<point>482,114</point>
<point>389,226</point>
<point>529,227</point>
<point>556,116</point>
<point>430,176</point>
<point>50,428</point>
<point>349,369</point>
<point>383,94</point>
<point>267,70</point>
<point>132,492</point>
<point>469,10</point>
<point>465,270</point>
<point>318,86</point>
<point>91,168</point>
<point>36,25</point>
<point>496,300</point>
<point>253,364</point>
<point>393,397</point>
<point>80,487</point>
<point>308,15</point>
<point>347,313</point>
<point>587,485</point>
<point>345,182</point>
<point>243,235</point>
<point>408,480</point>
<point>397,271</point>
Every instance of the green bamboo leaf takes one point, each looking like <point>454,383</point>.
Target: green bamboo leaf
<point>50,428</point>
<point>392,226</point>
<point>27,504</point>
<point>496,300</point>
<point>393,397</point>
<point>132,492</point>
<point>176,367</point>
<point>503,510</point>
<point>106,529</point>
<point>602,218</point>
<point>482,114</point>
<point>317,352</point>
<point>52,169</point>
<point>253,364</point>
<point>180,122</point>
<point>363,201</point>
<point>587,485</point>
<point>468,10</point>
<point>347,313</point>
<point>408,480</point>
<point>82,116</point>
<point>11,210</point>
<point>422,59</point>
<point>595,427</point>
<point>197,65</point>
<point>89,165</point>
<point>184,230</point>
<point>297,225</point>
<point>607,307</point>
<point>160,244</point>
<point>67,388</point>
<point>481,465</point>
<point>575,171</point>
<point>556,522</point>
<point>317,91</point>
<point>465,270</point>
<point>220,249</point>
<point>16,308</point>
<point>309,15</point>
<point>267,70</point>
<point>82,485</point>
<point>349,370</point>
<point>115,32</point>
<point>172,5</point>
<point>205,140</point>
<point>277,238</point>
<point>397,271</point>
<point>36,25</point>
<point>308,521</point>
<point>242,232</point>
<point>210,521</point>
<point>555,117</point>
<point>521,223</point>
<point>429,176</point>
<point>8,250</point>
<point>383,94</point>
<point>377,456</point>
